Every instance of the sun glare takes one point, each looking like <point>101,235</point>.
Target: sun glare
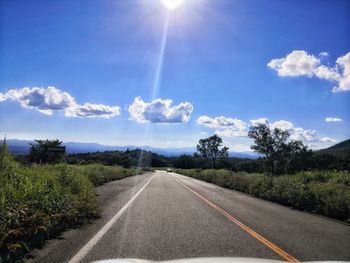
<point>172,4</point>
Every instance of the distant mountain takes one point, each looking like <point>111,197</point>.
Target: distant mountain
<point>340,149</point>
<point>23,147</point>
<point>18,146</point>
<point>244,155</point>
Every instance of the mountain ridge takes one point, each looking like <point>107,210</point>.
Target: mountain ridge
<point>341,148</point>
<point>17,146</point>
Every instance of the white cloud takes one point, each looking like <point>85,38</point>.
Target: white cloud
<point>283,125</point>
<point>43,100</point>
<point>230,132</point>
<point>297,63</point>
<point>51,99</point>
<point>226,127</point>
<point>300,63</point>
<point>229,127</point>
<point>259,121</point>
<point>343,64</point>
<point>323,54</point>
<point>324,72</point>
<point>327,139</point>
<point>2,97</point>
<point>300,134</point>
<point>89,110</point>
<point>296,133</point>
<point>333,119</point>
<point>159,111</point>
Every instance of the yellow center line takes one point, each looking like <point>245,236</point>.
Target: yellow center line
<point>263,240</point>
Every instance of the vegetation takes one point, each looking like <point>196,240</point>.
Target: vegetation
<point>314,161</point>
<point>39,197</point>
<point>323,192</point>
<point>281,154</point>
<point>293,157</point>
<point>129,158</point>
<point>49,151</point>
<point>99,174</point>
<point>341,149</point>
<point>39,201</point>
<point>209,149</point>
<point>302,185</point>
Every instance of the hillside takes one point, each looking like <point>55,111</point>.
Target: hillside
<point>340,149</point>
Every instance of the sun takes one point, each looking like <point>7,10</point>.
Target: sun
<point>172,4</point>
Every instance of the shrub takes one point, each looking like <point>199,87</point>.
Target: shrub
<point>99,174</point>
<point>39,201</point>
<point>323,192</point>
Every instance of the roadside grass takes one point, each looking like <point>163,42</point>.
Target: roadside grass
<point>99,174</point>
<point>38,202</point>
<point>322,192</point>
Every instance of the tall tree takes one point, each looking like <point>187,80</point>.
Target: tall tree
<point>209,148</point>
<point>40,152</point>
<point>281,153</point>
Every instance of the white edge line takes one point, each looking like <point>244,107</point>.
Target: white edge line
<point>93,241</point>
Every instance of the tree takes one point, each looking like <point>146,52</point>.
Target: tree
<point>209,149</point>
<point>185,162</point>
<point>282,154</point>
<point>298,157</point>
<point>40,152</point>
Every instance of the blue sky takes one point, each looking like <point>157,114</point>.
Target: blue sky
<point>114,65</point>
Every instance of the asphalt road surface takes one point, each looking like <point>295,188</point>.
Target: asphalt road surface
<point>162,216</point>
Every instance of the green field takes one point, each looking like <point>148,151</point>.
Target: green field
<point>39,201</point>
<point>322,192</point>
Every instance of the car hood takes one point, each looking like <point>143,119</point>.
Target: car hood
<point>198,260</point>
<point>191,260</point>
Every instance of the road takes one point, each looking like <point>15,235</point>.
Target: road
<point>160,216</point>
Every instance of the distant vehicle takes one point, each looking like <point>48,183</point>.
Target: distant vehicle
<point>169,170</point>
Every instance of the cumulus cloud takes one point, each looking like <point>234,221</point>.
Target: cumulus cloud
<point>2,97</point>
<point>283,125</point>
<point>300,63</point>
<point>297,63</point>
<point>229,127</point>
<point>226,127</point>
<point>89,110</point>
<point>296,133</point>
<point>259,121</point>
<point>300,134</point>
<point>160,111</point>
<point>333,119</point>
<point>51,99</point>
<point>343,63</point>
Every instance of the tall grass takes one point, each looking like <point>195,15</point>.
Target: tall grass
<point>323,192</point>
<point>39,201</point>
<point>99,174</point>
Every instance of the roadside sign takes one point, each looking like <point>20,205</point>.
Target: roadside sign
<point>58,149</point>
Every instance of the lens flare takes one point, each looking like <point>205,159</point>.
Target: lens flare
<point>172,4</point>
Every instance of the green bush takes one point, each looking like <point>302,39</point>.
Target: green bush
<point>99,174</point>
<point>323,192</point>
<point>41,200</point>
